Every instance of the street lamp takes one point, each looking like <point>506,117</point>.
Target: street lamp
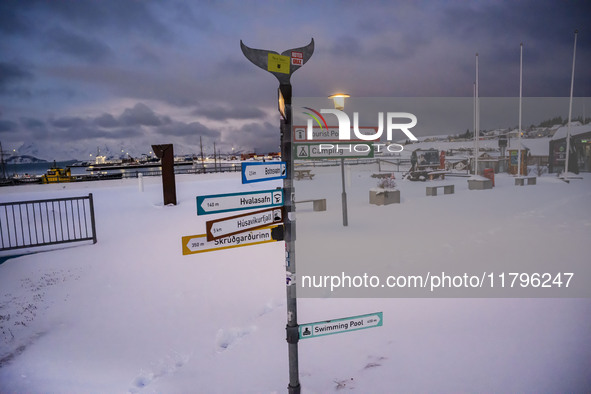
<point>339,100</point>
<point>339,103</point>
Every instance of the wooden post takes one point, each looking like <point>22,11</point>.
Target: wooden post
<point>166,155</point>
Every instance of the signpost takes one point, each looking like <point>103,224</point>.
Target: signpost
<point>290,60</point>
<point>330,134</point>
<point>333,150</point>
<point>338,326</point>
<point>219,228</point>
<point>257,172</point>
<point>217,203</point>
<point>199,244</point>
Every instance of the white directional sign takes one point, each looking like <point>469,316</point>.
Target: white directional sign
<point>199,243</point>
<point>330,134</point>
<point>333,150</point>
<point>220,228</point>
<point>338,326</point>
<point>217,203</point>
<point>257,172</point>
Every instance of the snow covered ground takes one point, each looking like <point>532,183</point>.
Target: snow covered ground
<point>132,314</point>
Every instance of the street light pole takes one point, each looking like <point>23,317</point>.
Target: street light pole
<point>344,194</point>
<point>339,103</point>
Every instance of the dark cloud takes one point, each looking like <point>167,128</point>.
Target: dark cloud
<point>77,45</point>
<point>89,132</point>
<point>7,126</point>
<point>108,15</point>
<point>347,46</point>
<point>233,66</point>
<point>141,114</point>
<point>32,123</point>
<point>11,73</point>
<point>11,17</point>
<point>190,16</point>
<point>262,137</point>
<point>193,129</point>
<point>106,120</point>
<point>67,122</point>
<point>222,113</point>
<point>147,55</point>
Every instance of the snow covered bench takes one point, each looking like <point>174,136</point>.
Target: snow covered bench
<point>317,205</point>
<point>520,181</point>
<point>447,189</point>
<point>479,183</point>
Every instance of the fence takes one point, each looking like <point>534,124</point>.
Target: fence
<point>28,224</point>
<point>193,170</point>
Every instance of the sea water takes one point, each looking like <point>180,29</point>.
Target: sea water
<point>39,168</point>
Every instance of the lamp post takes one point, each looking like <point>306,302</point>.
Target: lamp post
<point>339,103</point>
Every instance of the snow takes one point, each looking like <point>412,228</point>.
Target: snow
<point>132,314</point>
<point>574,130</point>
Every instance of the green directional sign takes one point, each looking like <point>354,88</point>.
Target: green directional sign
<point>339,326</point>
<point>333,150</point>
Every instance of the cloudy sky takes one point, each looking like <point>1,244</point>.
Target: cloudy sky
<point>76,75</point>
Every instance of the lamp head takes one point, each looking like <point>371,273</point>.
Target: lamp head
<point>339,100</point>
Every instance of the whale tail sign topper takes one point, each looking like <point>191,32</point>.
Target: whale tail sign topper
<point>281,65</point>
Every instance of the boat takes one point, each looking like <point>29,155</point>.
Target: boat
<point>26,179</point>
<point>57,175</point>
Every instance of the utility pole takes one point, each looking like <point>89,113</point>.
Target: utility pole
<point>282,66</point>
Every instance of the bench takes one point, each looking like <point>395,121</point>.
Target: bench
<point>303,174</point>
<point>317,205</point>
<point>480,183</point>
<point>520,181</point>
<point>447,189</point>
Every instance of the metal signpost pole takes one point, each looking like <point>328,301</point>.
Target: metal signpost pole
<point>282,66</point>
<point>292,333</point>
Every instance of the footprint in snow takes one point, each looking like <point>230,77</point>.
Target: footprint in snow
<point>227,337</point>
<point>166,366</point>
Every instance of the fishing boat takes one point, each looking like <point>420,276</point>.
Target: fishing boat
<point>57,175</point>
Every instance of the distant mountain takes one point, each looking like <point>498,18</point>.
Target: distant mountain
<point>23,159</point>
<point>65,151</point>
<point>75,151</point>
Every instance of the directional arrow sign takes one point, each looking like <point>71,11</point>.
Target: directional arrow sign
<point>257,172</point>
<point>199,243</point>
<point>333,150</point>
<point>338,326</point>
<point>217,203</point>
<point>220,228</point>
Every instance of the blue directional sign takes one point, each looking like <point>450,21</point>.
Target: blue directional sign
<point>257,172</point>
<point>217,203</point>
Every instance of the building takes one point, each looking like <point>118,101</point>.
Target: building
<point>580,149</point>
